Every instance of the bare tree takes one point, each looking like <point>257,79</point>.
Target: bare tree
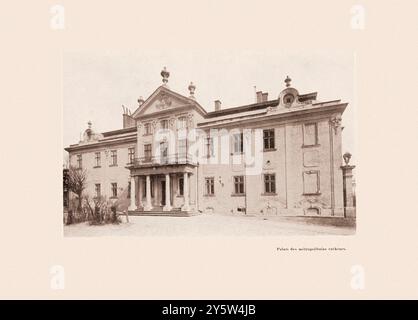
<point>96,209</point>
<point>77,180</point>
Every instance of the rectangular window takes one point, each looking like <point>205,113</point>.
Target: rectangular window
<point>97,159</point>
<point>163,151</point>
<point>97,189</point>
<point>131,155</point>
<point>268,139</point>
<point>147,152</point>
<point>114,158</point>
<point>181,123</point>
<point>310,134</point>
<point>269,183</point>
<point>238,140</point>
<point>114,189</point>
<point>164,124</point>
<point>210,186</point>
<point>147,129</point>
<point>210,149</point>
<point>182,148</point>
<point>239,185</point>
<point>79,161</point>
<point>129,190</point>
<point>311,182</point>
<point>181,186</point>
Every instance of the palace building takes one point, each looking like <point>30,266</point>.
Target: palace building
<point>279,156</point>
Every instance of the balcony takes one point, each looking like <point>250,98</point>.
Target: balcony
<point>174,159</point>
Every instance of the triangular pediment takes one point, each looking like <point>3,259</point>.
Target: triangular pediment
<point>162,99</point>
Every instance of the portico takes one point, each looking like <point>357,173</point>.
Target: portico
<point>157,188</point>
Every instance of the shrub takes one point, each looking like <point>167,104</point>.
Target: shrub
<point>114,216</point>
<point>69,217</point>
<point>94,210</point>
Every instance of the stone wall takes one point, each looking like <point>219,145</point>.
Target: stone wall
<point>106,173</point>
<point>297,168</point>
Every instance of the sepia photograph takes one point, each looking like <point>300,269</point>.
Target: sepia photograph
<point>211,152</point>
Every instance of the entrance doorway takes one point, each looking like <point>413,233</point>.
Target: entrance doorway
<point>163,192</point>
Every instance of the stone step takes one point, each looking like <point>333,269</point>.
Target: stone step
<point>158,209</point>
<point>178,213</point>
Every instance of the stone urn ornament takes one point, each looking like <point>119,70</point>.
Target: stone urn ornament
<point>347,157</point>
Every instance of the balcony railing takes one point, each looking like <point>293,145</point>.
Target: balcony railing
<point>163,160</point>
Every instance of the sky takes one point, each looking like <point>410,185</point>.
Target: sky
<point>97,84</point>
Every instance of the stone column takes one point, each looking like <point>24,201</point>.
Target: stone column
<point>148,205</point>
<point>186,206</point>
<point>156,195</point>
<point>167,206</point>
<point>139,193</point>
<point>349,209</point>
<point>132,205</point>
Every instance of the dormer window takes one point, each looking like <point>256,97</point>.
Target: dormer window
<point>288,99</point>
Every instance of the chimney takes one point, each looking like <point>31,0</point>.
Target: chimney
<point>128,121</point>
<point>217,105</point>
<point>265,97</point>
<point>259,96</point>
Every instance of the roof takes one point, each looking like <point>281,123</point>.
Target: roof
<point>226,116</point>
<point>307,96</point>
<point>257,106</point>
<point>119,131</point>
<point>108,138</point>
<point>245,108</point>
<point>281,113</point>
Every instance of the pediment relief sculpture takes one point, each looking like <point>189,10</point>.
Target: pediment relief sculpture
<point>164,101</point>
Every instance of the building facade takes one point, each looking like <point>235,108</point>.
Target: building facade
<point>273,157</point>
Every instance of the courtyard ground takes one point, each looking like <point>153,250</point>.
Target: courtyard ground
<point>205,225</point>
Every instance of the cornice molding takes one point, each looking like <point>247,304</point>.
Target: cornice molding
<point>326,110</point>
<point>101,144</point>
